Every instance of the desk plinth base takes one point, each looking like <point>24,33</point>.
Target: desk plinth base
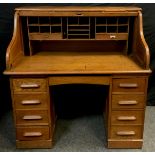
<point>34,144</point>
<point>126,144</point>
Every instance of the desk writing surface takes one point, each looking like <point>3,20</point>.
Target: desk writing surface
<point>76,62</point>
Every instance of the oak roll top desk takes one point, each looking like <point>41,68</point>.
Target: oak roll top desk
<point>78,45</point>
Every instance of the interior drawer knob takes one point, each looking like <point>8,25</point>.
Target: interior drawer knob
<point>46,36</point>
<point>112,36</point>
<point>79,14</point>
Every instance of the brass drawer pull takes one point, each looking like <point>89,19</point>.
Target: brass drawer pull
<point>128,102</point>
<point>32,117</point>
<point>24,86</point>
<point>112,36</point>
<point>126,133</point>
<point>32,134</point>
<point>30,102</point>
<point>128,85</point>
<point>126,118</point>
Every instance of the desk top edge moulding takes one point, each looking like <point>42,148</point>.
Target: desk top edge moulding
<point>54,45</point>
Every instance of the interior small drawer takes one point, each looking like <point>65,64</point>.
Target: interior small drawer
<point>29,85</point>
<point>31,101</point>
<point>129,85</point>
<point>128,101</point>
<point>111,36</point>
<point>32,117</point>
<point>126,132</point>
<point>33,133</point>
<point>127,117</point>
<point>45,36</point>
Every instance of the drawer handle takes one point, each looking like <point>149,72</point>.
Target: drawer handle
<point>126,118</point>
<point>112,36</point>
<point>30,102</point>
<point>46,36</point>
<point>79,14</point>
<point>127,102</point>
<point>128,85</point>
<point>32,134</point>
<point>32,117</point>
<point>24,86</point>
<point>126,133</point>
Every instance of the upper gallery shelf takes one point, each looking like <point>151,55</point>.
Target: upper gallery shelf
<point>57,28</point>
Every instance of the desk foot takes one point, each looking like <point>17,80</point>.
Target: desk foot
<point>34,144</point>
<point>126,144</point>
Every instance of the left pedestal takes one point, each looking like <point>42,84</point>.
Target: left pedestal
<point>33,112</point>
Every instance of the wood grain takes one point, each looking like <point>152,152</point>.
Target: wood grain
<point>26,101</point>
<point>76,63</point>
<point>80,53</point>
<point>57,80</point>
<point>15,49</point>
<point>127,117</point>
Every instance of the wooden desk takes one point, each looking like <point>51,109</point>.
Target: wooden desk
<point>71,45</point>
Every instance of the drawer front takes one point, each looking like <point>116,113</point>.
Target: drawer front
<point>46,36</point>
<point>29,85</point>
<point>129,85</point>
<point>32,133</point>
<point>128,101</point>
<point>30,101</point>
<point>32,117</point>
<point>126,132</point>
<point>127,117</point>
<point>112,36</point>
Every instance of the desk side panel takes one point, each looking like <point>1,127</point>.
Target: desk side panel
<point>140,48</point>
<point>15,48</point>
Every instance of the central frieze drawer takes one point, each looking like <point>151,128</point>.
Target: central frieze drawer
<point>129,85</point>
<point>29,85</point>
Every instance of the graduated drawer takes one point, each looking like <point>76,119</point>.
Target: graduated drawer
<point>32,117</point>
<point>29,85</point>
<point>112,36</point>
<point>129,85</point>
<point>121,101</point>
<point>33,133</point>
<point>127,117</point>
<point>30,101</point>
<point>126,132</point>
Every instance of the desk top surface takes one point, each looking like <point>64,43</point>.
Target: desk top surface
<point>76,63</point>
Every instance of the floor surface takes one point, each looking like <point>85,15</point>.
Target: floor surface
<point>81,134</point>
